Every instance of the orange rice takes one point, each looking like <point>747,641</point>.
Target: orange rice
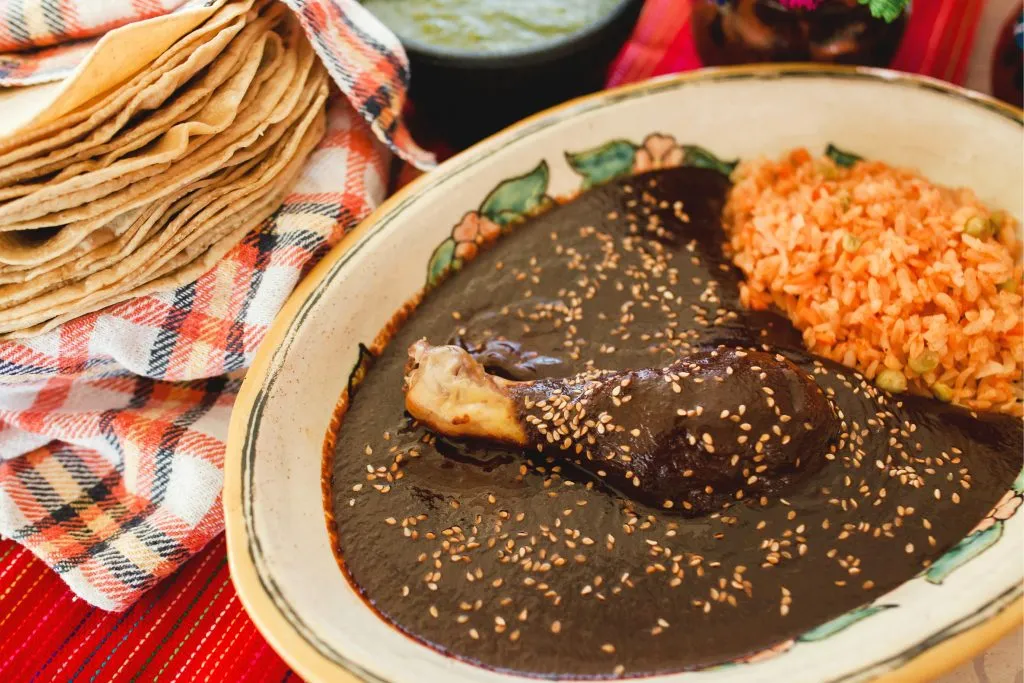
<point>873,266</point>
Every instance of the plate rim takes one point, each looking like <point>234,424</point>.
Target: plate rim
<point>267,616</point>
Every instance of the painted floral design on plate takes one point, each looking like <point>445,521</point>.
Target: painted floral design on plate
<point>618,158</point>
<point>512,201</point>
<point>985,535</point>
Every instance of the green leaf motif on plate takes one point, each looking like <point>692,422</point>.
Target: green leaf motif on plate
<point>601,164</point>
<point>442,262</point>
<point>985,535</point>
<point>963,552</point>
<point>840,623</point>
<point>702,158</point>
<point>517,197</point>
<point>841,157</point>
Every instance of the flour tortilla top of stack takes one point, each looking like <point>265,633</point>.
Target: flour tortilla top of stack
<point>146,185</point>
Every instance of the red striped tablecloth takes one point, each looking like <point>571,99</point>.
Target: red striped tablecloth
<point>192,627</point>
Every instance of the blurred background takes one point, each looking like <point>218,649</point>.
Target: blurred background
<point>975,43</point>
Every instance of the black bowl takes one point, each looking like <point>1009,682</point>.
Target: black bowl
<point>462,97</point>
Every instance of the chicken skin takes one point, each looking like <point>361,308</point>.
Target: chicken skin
<point>715,426</point>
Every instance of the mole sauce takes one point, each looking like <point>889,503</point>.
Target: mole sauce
<point>521,563</point>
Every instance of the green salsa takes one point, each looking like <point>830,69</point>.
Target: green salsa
<point>488,25</point>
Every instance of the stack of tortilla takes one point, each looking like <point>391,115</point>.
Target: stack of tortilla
<point>144,187</point>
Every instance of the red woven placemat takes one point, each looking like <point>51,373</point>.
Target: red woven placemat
<point>192,626</point>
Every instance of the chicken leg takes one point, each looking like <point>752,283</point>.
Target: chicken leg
<point>715,426</point>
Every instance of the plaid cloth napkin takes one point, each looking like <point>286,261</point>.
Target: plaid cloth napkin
<point>112,426</point>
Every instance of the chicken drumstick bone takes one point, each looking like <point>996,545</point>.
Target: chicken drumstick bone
<point>715,426</point>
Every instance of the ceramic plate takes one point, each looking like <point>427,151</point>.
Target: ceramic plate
<point>278,545</point>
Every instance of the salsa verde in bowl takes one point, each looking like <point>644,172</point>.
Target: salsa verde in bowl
<point>496,27</point>
<point>480,65</point>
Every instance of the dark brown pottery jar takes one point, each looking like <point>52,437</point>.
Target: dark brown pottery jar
<point>1008,61</point>
<point>836,31</point>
